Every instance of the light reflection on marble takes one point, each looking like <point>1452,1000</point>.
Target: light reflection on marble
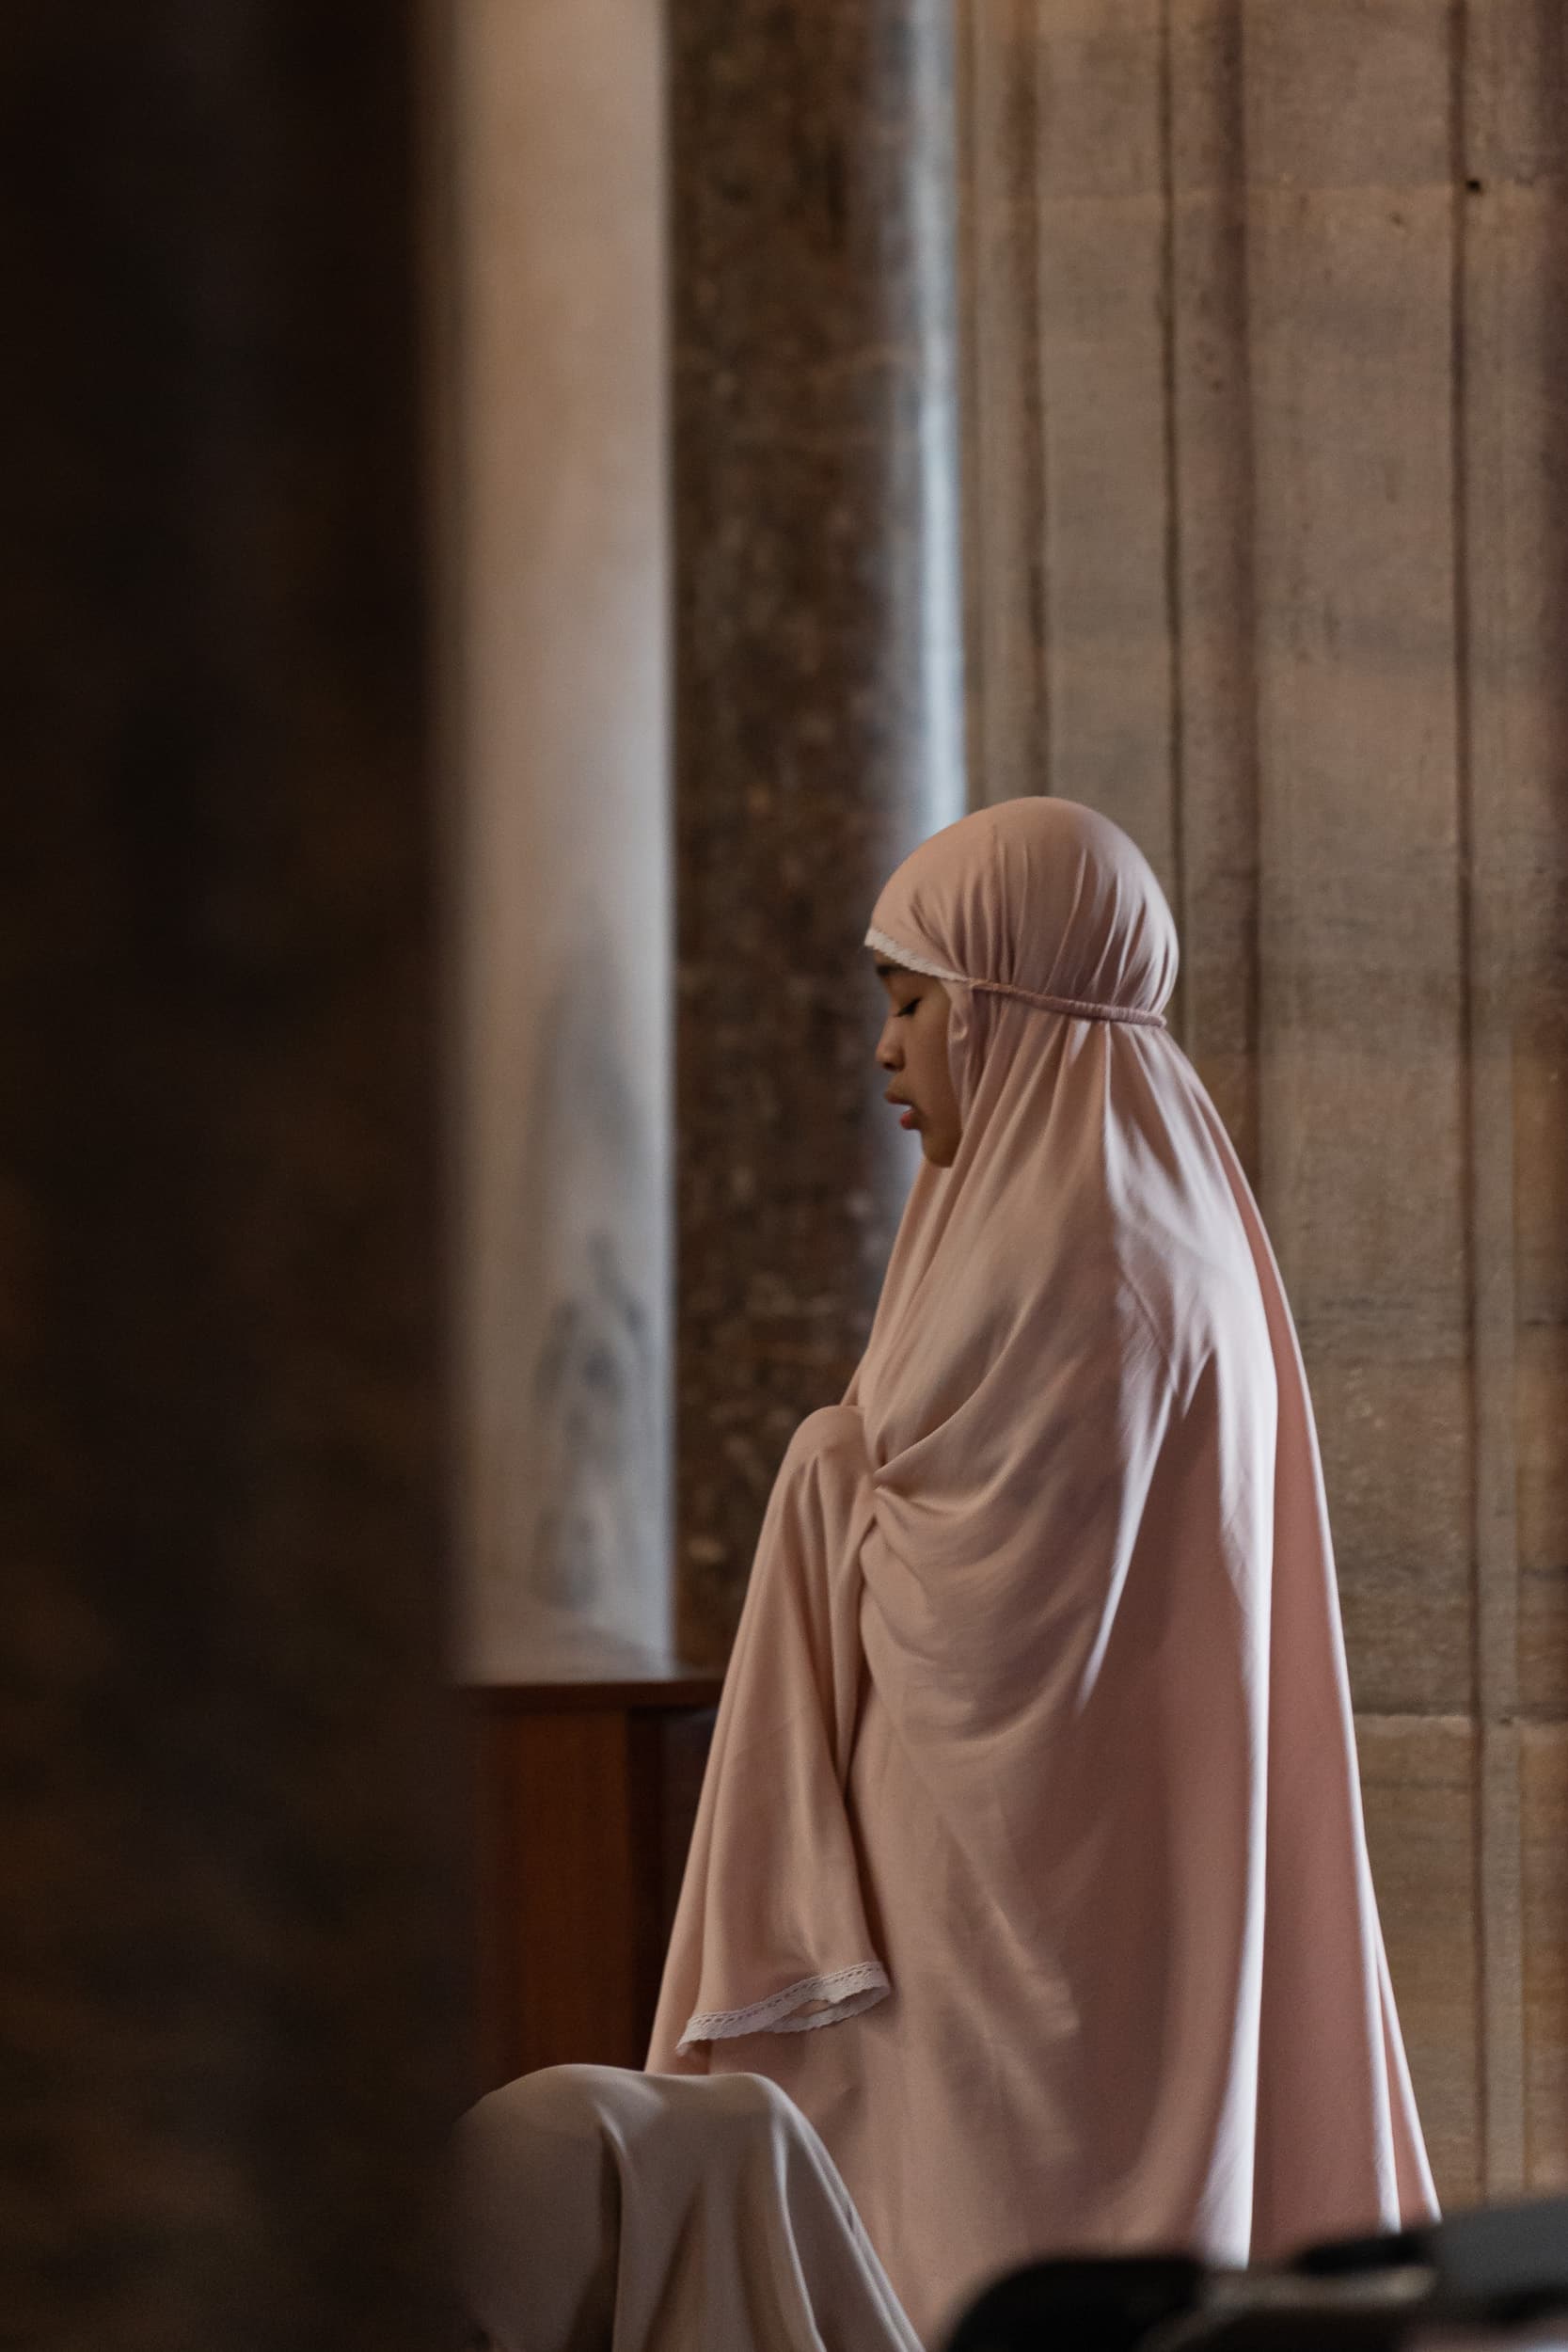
<point>574,1501</point>
<point>560,554</point>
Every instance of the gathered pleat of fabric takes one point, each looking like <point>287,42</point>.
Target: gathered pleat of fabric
<point>602,2211</point>
<point>792,1927</point>
<point>1034,1784</point>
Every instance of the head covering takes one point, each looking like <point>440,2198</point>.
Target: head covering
<point>1043,1637</point>
<point>601,2211</point>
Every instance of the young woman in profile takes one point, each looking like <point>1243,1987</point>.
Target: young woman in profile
<point>1030,1859</point>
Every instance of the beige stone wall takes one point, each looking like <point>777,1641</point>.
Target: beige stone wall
<point>556,358</point>
<point>1267,556</point>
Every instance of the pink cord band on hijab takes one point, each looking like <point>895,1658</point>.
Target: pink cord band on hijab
<point>1078,1008</point>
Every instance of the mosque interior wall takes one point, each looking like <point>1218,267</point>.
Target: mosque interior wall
<point>1266,403</point>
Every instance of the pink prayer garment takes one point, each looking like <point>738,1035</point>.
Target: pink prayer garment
<point>1030,1858</point>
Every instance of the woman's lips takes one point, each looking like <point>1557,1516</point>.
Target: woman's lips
<point>908,1120</point>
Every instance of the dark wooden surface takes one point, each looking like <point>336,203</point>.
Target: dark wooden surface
<point>585,1797</point>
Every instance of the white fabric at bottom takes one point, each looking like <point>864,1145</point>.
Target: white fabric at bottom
<point>601,2211</point>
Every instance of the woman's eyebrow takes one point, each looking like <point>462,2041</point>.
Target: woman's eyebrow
<point>891,972</point>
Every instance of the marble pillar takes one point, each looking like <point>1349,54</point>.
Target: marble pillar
<point>1266,400</point>
<point>818,731</point>
<point>556,353</point>
<point>228,1805</point>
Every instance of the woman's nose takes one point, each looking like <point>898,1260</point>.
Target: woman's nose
<point>888,1057</point>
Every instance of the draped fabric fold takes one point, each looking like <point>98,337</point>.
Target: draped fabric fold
<point>1037,1722</point>
<point>602,2211</point>
<point>790,1932</point>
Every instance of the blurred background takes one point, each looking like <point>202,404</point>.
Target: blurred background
<point>516,517</point>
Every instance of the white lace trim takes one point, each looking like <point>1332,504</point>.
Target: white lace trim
<point>843,1993</point>
<point>909,962</point>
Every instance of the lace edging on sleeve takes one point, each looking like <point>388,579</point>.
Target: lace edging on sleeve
<point>800,2007</point>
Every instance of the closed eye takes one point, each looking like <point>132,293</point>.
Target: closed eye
<point>905,1010</point>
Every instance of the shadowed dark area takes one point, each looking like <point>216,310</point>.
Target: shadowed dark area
<point>227,1976</point>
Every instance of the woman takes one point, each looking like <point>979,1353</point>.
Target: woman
<point>1030,1859</point>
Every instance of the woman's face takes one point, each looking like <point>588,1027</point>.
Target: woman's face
<point>912,1049</point>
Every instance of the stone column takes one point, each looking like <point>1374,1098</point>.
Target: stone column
<point>818,731</point>
<point>557,355</point>
<point>226,1805</point>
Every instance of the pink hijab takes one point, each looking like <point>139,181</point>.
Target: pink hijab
<point>1035,1779</point>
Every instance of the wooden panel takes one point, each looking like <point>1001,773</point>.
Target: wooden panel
<point>585,1815</point>
<point>558,1919</point>
<point>1418,1783</point>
